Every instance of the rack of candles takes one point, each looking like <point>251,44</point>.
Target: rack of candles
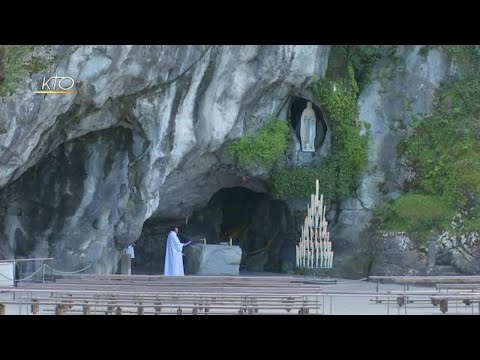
<point>314,249</point>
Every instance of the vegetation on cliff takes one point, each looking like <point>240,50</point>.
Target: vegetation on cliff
<point>444,152</point>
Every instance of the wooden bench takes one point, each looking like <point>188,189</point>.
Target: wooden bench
<point>443,300</point>
<point>465,286</point>
<point>438,297</point>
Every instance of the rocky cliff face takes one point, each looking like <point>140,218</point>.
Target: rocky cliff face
<point>80,173</point>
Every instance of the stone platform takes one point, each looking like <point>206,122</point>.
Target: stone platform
<point>212,260</point>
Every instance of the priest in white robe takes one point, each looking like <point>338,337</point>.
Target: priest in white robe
<point>173,255</point>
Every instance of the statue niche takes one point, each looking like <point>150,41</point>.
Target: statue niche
<point>308,126</point>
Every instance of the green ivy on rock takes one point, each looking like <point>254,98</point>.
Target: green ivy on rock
<point>264,147</point>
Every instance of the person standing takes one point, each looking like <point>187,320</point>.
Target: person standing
<point>130,251</point>
<point>126,259</point>
<point>173,254</point>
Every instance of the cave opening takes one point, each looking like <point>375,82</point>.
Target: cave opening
<point>295,114</point>
<point>261,226</point>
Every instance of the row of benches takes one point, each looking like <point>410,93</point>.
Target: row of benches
<point>447,288</point>
<point>195,295</point>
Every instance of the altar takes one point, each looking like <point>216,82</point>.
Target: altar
<point>212,259</point>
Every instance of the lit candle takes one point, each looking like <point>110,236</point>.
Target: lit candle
<point>322,256</point>
<point>321,202</point>
<point>303,253</point>
<point>296,256</point>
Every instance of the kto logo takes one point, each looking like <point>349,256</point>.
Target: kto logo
<point>57,85</point>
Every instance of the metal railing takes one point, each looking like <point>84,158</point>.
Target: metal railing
<point>26,269</point>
